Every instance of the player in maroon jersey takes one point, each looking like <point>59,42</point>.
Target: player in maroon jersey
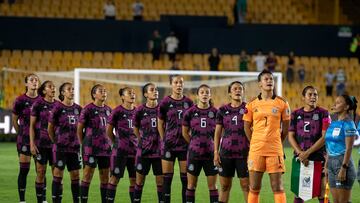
<point>124,143</point>
<point>40,143</point>
<point>96,145</point>
<point>66,149</point>
<point>171,110</point>
<point>148,151</point>
<point>307,132</point>
<point>21,123</point>
<point>198,130</point>
<point>231,154</point>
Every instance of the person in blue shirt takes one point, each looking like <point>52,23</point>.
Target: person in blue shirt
<point>339,140</point>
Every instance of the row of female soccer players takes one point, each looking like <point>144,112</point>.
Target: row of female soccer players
<point>149,124</point>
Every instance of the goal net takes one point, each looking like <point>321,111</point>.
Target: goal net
<point>113,79</point>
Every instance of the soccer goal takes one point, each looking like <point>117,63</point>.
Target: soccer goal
<point>113,79</point>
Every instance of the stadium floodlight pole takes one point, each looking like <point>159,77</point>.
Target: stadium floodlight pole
<point>78,71</point>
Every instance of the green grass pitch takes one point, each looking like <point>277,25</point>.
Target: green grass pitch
<point>9,171</point>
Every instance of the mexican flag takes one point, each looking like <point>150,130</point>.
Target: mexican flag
<point>306,180</point>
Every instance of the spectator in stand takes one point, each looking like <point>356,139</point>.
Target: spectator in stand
<point>301,73</point>
<point>172,44</point>
<point>156,45</point>
<point>271,62</point>
<point>214,59</point>
<point>244,61</point>
<point>340,82</point>
<point>259,61</point>
<point>290,68</point>
<point>109,10</point>
<point>138,9</point>
<point>329,77</point>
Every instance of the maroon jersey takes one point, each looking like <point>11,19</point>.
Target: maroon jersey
<point>65,120</point>
<point>22,108</point>
<point>202,127</point>
<point>308,127</point>
<point>41,109</point>
<point>171,111</point>
<point>125,140</point>
<point>145,119</point>
<point>95,141</point>
<point>234,143</point>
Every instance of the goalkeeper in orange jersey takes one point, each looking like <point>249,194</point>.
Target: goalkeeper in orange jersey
<point>266,124</point>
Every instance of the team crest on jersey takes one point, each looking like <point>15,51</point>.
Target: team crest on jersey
<point>117,170</point>
<point>91,160</point>
<point>107,112</point>
<point>124,116</point>
<point>170,106</point>
<point>274,110</point>
<point>167,154</point>
<point>60,163</point>
<point>315,117</point>
<point>242,111</point>
<point>220,169</point>
<point>76,111</point>
<point>63,111</point>
<point>299,117</point>
<point>211,114</point>
<point>96,112</point>
<point>26,103</point>
<point>139,167</point>
<point>186,105</point>
<point>191,167</point>
<point>256,110</point>
<point>196,114</point>
<point>38,157</point>
<point>145,114</point>
<point>24,148</point>
<point>45,107</point>
<point>227,112</point>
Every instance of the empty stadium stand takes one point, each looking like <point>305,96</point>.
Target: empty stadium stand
<point>67,61</point>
